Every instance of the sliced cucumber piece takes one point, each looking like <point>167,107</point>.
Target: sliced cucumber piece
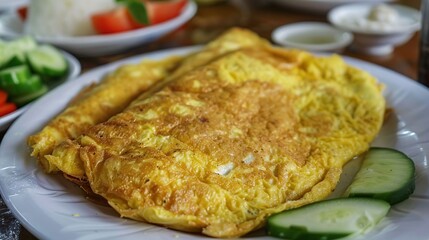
<point>47,61</point>
<point>14,75</point>
<point>13,53</point>
<point>329,219</point>
<point>386,174</point>
<point>23,44</point>
<point>6,56</point>
<point>33,84</point>
<point>26,98</point>
<point>16,60</point>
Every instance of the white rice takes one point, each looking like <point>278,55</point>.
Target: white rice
<point>63,17</point>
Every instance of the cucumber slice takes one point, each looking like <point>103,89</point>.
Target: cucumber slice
<point>47,61</point>
<point>23,44</point>
<point>14,61</point>
<point>6,56</point>
<point>329,219</point>
<point>33,84</point>
<point>26,98</point>
<point>14,75</point>
<point>13,53</point>
<point>386,174</point>
<point>18,81</point>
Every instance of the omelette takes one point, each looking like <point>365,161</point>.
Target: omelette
<point>54,147</point>
<point>218,147</point>
<point>95,104</point>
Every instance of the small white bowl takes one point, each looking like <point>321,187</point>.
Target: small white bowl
<point>320,6</point>
<point>312,36</point>
<point>98,45</point>
<point>373,37</point>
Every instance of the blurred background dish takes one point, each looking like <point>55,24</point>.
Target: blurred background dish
<point>312,36</point>
<point>6,4</point>
<point>12,26</point>
<point>377,28</point>
<point>321,6</point>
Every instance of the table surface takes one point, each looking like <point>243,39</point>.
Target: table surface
<point>261,17</point>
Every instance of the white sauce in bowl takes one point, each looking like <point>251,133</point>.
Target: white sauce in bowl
<point>380,17</point>
<point>375,19</point>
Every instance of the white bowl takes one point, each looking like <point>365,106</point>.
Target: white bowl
<point>98,45</point>
<point>312,36</point>
<point>320,6</point>
<point>375,38</point>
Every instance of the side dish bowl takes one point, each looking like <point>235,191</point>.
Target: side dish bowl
<point>373,38</point>
<point>320,6</point>
<point>312,36</point>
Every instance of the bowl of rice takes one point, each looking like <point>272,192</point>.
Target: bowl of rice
<point>66,24</point>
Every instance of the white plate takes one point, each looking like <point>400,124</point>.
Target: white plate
<point>321,6</point>
<point>11,26</point>
<point>52,208</point>
<point>7,4</point>
<point>73,72</point>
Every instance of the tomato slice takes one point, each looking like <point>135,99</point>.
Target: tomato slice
<point>7,108</point>
<point>120,19</point>
<point>114,21</point>
<point>22,12</point>
<point>3,97</point>
<point>161,11</point>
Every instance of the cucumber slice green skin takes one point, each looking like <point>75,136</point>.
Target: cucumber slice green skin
<point>14,75</point>
<point>386,174</point>
<point>24,99</point>
<point>13,53</point>
<point>19,82</point>
<point>328,219</point>
<point>47,61</point>
<point>298,233</point>
<point>13,61</point>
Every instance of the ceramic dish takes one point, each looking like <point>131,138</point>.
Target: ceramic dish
<point>312,36</point>
<point>51,207</point>
<point>7,4</point>
<point>11,26</point>
<point>73,71</point>
<point>320,6</point>
<point>376,38</point>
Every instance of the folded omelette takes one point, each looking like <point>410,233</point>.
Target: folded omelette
<point>223,145</point>
<point>95,104</point>
<point>53,147</point>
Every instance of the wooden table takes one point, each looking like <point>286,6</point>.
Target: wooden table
<point>262,18</point>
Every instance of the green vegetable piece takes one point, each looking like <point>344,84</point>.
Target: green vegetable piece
<point>11,79</point>
<point>13,52</point>
<point>14,75</point>
<point>30,96</point>
<point>329,219</point>
<point>47,61</point>
<point>137,9</point>
<point>23,44</point>
<point>386,174</point>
